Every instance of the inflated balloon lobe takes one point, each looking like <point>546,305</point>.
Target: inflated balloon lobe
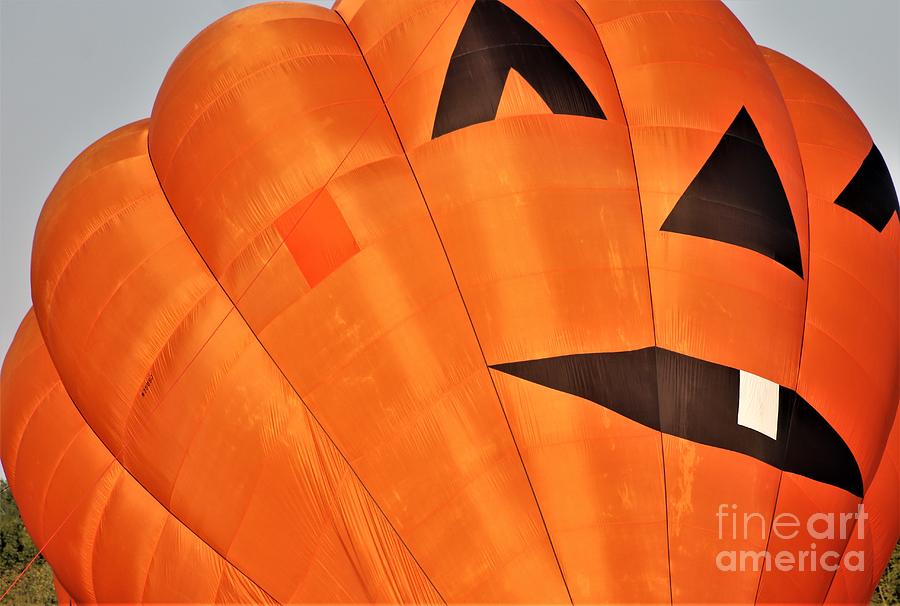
<point>463,301</point>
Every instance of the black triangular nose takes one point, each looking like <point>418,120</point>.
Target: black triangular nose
<point>494,40</point>
<point>737,198</point>
<point>870,195</point>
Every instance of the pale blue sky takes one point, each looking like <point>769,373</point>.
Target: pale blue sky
<point>72,71</point>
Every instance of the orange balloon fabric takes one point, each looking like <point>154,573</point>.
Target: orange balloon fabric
<point>464,301</point>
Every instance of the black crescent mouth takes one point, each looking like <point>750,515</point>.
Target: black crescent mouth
<point>700,401</point>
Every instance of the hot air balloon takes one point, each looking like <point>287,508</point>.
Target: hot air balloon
<point>466,301</point>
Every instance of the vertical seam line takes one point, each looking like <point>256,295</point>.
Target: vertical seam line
<point>637,185</point>
<point>807,280</point>
<point>468,315</point>
<point>234,307</point>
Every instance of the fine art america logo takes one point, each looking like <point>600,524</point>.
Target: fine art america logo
<point>832,529</point>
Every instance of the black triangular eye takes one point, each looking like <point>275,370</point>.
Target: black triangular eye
<point>738,198</point>
<point>870,195</point>
<point>494,40</point>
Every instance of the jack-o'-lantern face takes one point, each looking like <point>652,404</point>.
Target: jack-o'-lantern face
<point>473,301</point>
<point>737,198</point>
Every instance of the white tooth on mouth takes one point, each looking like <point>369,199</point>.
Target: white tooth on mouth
<point>758,404</point>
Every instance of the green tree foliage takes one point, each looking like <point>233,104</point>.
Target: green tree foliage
<point>16,550</point>
<point>888,590</point>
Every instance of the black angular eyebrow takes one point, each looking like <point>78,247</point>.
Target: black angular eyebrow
<point>870,194</point>
<point>738,198</point>
<point>493,41</point>
<point>698,400</point>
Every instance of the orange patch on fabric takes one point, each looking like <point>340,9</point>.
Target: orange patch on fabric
<point>520,99</point>
<point>316,234</point>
